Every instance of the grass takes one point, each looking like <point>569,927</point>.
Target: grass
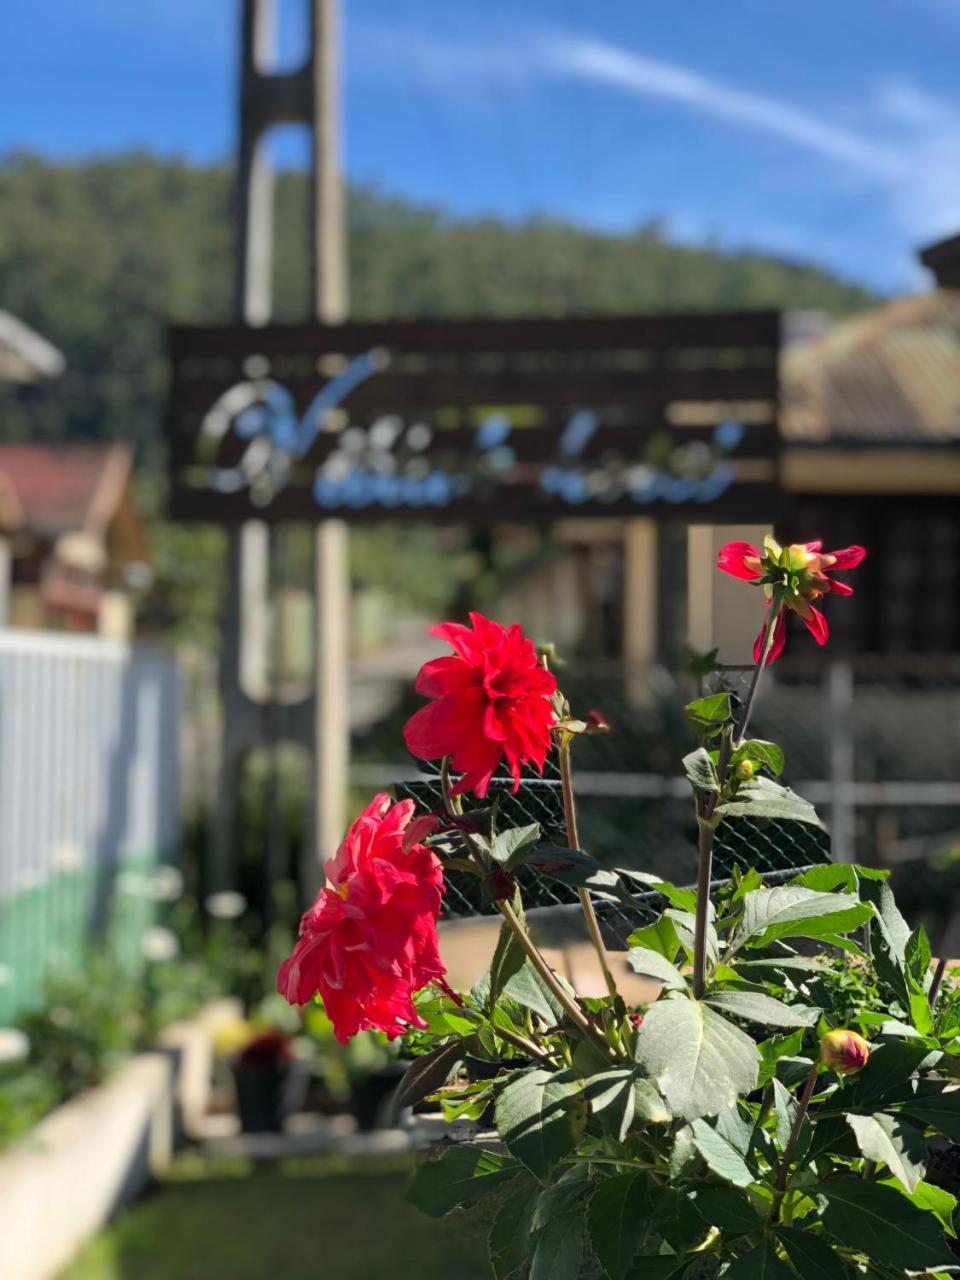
<point>304,1220</point>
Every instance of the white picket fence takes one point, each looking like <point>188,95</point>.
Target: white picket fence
<point>89,784</point>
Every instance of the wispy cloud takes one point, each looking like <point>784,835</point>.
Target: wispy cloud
<point>903,153</point>
<point>602,63</point>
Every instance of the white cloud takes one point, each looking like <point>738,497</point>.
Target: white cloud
<point>903,154</point>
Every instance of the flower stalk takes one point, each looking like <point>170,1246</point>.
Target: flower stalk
<point>780,1186</point>
<point>573,840</point>
<point>707,804</point>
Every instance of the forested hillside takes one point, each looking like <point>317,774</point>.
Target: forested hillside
<point>98,256</point>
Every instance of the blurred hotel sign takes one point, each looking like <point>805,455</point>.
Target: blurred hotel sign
<point>666,415</point>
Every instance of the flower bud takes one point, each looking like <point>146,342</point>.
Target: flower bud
<point>844,1052</point>
<point>745,770</point>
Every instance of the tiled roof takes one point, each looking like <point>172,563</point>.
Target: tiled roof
<point>890,375</point>
<point>64,488</point>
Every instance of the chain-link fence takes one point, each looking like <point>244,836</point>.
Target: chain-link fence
<point>873,745</point>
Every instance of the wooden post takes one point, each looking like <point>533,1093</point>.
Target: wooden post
<point>331,748</point>
<point>641,604</point>
<point>722,613</point>
<point>6,577</point>
<point>843,815</point>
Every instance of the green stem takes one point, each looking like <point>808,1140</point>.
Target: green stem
<point>941,969</point>
<point>776,608</point>
<point>784,1170</point>
<point>707,829</point>
<point>527,1046</point>
<point>573,840</point>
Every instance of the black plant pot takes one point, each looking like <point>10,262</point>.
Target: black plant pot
<point>261,1095</point>
<point>371,1093</point>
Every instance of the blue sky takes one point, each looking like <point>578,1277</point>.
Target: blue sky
<point>825,132</point>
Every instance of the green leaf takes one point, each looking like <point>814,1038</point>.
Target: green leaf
<point>891,1141</point>
<point>457,1177</point>
<point>811,1255</point>
<point>574,868</point>
<point>777,1047</point>
<point>753,1006</point>
<point>942,1204</point>
<point>685,899</point>
<point>701,770</point>
<point>427,1074</point>
<point>559,1249</point>
<point>763,798</point>
<point>760,1264</point>
<point>568,1190</point>
<point>509,1242</point>
<point>508,844</point>
<point>675,1217</point>
<point>883,1224</point>
<point>508,959</point>
<point>721,1157</point>
<point>616,1220</point>
<point>617,1095</point>
<point>791,911</point>
<point>528,989</point>
<point>727,1209</point>
<point>660,936</point>
<point>711,712</point>
<point>761,752</point>
<point>700,1061</point>
<point>787,1107</point>
<point>650,964</point>
<point>940,1111</point>
<point>828,877</point>
<point>684,922</point>
<point>539,1116</point>
<point>884,1080</point>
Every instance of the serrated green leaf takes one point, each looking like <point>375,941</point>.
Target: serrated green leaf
<point>775,1048</point>
<point>529,990</point>
<point>509,1243</point>
<point>574,868</point>
<point>675,1217</point>
<point>894,1142</point>
<point>458,1176</point>
<point>505,846</point>
<point>791,911</point>
<point>939,1111</point>
<point>650,964</point>
<point>559,1249</point>
<point>884,1080</point>
<point>616,1220</point>
<point>539,1116</point>
<point>721,1157</point>
<point>763,798</point>
<point>828,877</point>
<point>811,1255</point>
<point>941,1203</point>
<point>753,1006</point>
<point>882,1223</point>
<point>700,1061</point>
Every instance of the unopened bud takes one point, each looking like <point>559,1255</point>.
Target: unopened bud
<point>502,885</point>
<point>844,1052</point>
<point>745,770</point>
<point>597,722</point>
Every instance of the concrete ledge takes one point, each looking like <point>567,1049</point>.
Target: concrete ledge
<point>66,1178</point>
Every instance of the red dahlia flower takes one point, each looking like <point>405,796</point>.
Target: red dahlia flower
<point>369,942</point>
<point>492,700</point>
<point>795,576</point>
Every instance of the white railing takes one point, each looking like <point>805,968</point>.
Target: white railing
<point>88,784</point>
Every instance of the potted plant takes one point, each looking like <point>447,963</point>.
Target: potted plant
<point>770,1115</point>
<point>261,1059</point>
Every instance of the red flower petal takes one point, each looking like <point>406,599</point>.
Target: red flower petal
<point>816,624</point>
<point>732,559</point>
<point>444,675</point>
<point>838,588</point>
<point>847,557</point>
<point>779,640</point>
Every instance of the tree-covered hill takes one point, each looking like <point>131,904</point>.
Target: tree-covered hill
<point>99,256</point>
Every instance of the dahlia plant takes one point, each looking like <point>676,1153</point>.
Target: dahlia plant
<point>748,1121</point>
